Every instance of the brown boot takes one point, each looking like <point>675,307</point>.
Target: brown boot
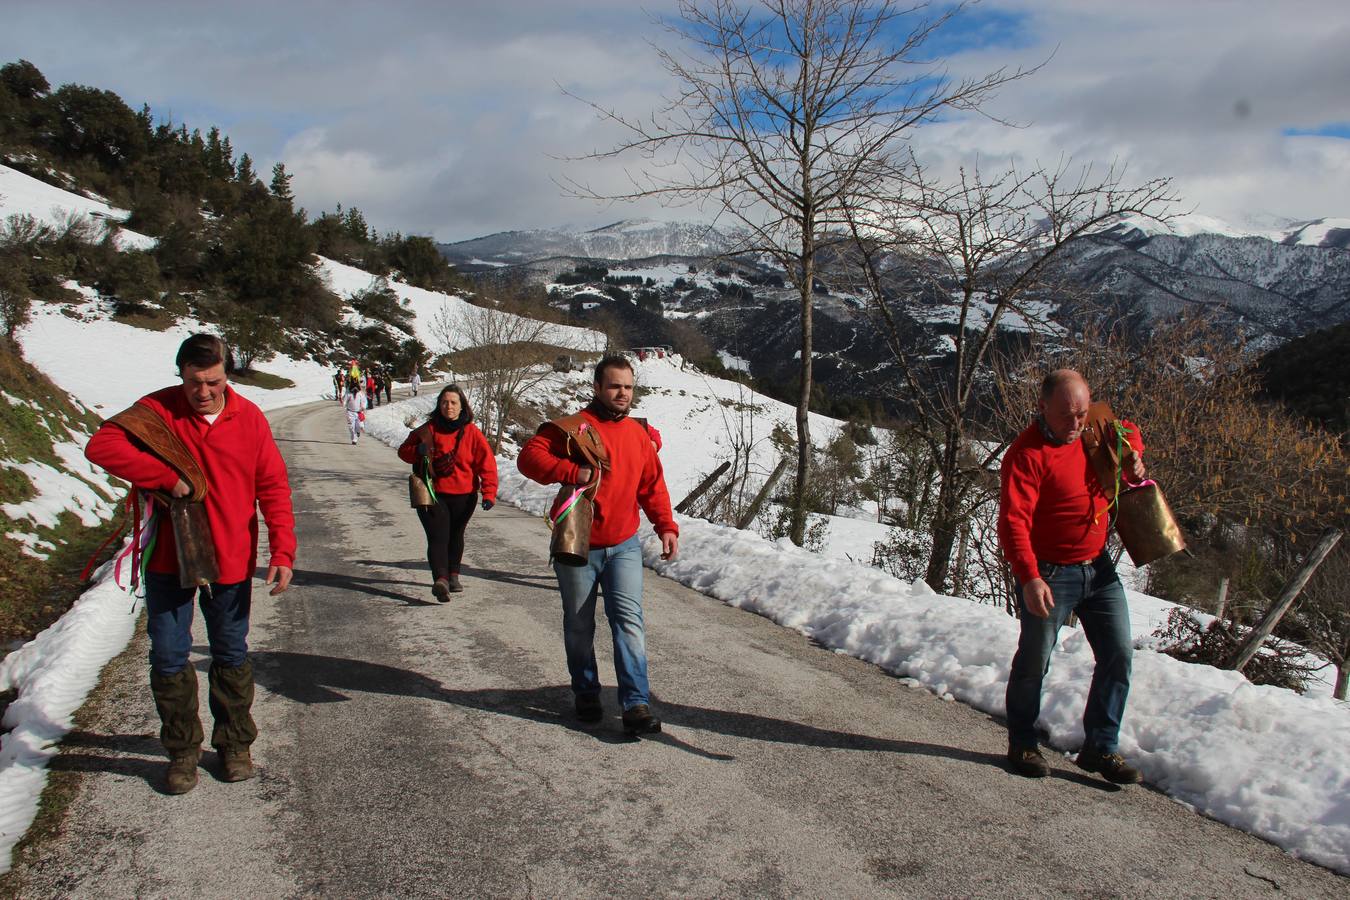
<point>180,729</point>
<point>231,697</point>
<point>181,776</point>
<point>236,765</point>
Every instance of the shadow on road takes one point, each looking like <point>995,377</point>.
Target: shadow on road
<point>307,678</point>
<point>357,583</point>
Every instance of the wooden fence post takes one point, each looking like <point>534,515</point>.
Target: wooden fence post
<point>693,496</point>
<point>763,495</point>
<point>1291,590</point>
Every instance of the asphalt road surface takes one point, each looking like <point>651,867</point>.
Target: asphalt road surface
<point>415,749</point>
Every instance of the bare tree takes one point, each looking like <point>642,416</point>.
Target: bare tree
<point>785,112</point>
<point>984,247</point>
<point>501,355</point>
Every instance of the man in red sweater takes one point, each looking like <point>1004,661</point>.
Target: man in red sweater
<point>1052,522</point>
<point>232,443</point>
<point>633,478</point>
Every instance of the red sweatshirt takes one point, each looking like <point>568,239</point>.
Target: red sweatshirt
<point>475,467</point>
<point>634,478</point>
<point>242,465</point>
<point>1051,506</point>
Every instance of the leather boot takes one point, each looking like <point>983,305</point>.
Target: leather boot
<point>231,696</point>
<point>180,728</point>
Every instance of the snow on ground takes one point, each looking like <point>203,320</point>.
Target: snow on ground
<point>426,305</point>
<point>20,193</point>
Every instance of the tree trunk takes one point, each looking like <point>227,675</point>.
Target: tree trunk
<point>946,520</point>
<point>1342,677</point>
<point>797,532</point>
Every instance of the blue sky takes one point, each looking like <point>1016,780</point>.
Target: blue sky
<point>448,119</point>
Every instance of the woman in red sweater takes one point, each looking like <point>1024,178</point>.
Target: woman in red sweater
<point>451,449</point>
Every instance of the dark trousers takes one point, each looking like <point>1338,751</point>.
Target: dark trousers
<point>444,524</point>
<point>1094,592</point>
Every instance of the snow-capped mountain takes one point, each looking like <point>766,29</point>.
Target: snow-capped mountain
<point>1266,280</point>
<point>625,239</point>
<point>1327,233</point>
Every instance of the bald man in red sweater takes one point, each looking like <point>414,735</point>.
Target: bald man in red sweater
<point>633,479</point>
<point>1053,519</point>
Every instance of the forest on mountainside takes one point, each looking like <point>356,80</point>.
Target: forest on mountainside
<point>230,248</point>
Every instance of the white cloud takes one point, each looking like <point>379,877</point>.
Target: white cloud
<point>446,118</point>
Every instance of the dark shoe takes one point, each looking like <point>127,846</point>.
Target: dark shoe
<point>589,708</point>
<point>455,586</point>
<point>1028,762</point>
<point>1111,766</point>
<point>441,590</point>
<point>236,765</point>
<point>639,720</point>
<point>181,776</point>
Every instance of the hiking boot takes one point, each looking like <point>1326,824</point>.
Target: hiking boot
<point>1028,762</point>
<point>639,720</point>
<point>1111,766</point>
<point>455,586</point>
<point>589,708</point>
<point>181,775</point>
<point>441,589</point>
<point>236,765</point>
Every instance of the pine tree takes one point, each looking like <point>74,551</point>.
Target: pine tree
<point>245,174</point>
<point>281,183</point>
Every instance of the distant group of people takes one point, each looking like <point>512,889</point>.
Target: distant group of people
<point>375,381</point>
<point>1053,525</point>
<point>359,389</point>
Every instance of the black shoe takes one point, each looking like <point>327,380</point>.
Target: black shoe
<point>441,590</point>
<point>1111,766</point>
<point>1028,762</point>
<point>455,586</point>
<point>639,720</point>
<point>589,708</point>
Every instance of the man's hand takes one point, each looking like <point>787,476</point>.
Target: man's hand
<point>281,575</point>
<point>1037,597</point>
<point>670,545</point>
<point>584,475</point>
<point>1134,468</point>
<point>488,504</point>
<point>181,489</point>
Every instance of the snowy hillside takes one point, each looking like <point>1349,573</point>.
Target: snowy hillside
<point>626,239</point>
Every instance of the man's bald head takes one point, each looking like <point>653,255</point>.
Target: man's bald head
<point>1064,403</point>
<point>1058,379</point>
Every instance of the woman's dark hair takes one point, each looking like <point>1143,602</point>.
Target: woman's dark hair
<point>202,351</point>
<point>465,410</point>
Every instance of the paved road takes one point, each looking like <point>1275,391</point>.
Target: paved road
<point>411,749</point>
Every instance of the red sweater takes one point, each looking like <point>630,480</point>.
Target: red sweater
<point>1051,506</point>
<point>242,465</point>
<point>634,478</point>
<point>475,467</point>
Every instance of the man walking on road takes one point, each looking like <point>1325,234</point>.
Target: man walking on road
<point>1052,524</point>
<point>231,444</point>
<point>631,478</point>
<point>355,405</point>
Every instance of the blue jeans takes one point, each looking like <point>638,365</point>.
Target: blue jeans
<point>618,571</point>
<point>168,610</point>
<point>1094,592</point>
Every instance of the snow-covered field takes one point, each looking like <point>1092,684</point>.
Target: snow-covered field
<point>1263,759</point>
